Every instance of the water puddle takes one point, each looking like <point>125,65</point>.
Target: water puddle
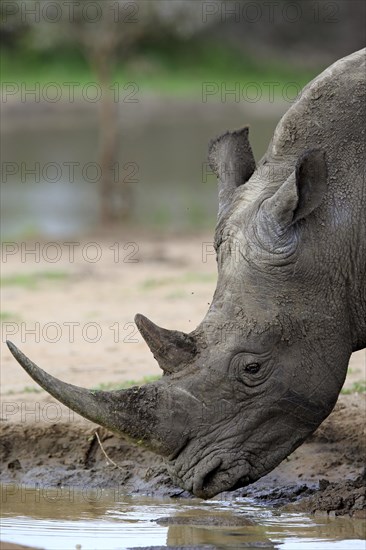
<point>68,519</point>
<point>161,158</point>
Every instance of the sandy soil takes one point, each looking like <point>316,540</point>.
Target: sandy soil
<point>70,307</point>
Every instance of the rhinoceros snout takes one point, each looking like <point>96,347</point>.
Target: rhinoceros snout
<point>211,477</point>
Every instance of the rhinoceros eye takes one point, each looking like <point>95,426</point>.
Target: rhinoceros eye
<point>247,368</point>
<point>252,368</point>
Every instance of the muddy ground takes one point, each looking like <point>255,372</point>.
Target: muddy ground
<point>74,317</point>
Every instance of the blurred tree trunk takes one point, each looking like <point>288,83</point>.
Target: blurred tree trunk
<point>108,137</point>
<point>111,28</point>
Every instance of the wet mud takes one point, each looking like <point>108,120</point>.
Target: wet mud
<point>326,475</point>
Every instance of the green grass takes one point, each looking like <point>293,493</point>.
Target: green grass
<point>177,72</point>
<point>111,386</point>
<point>28,232</point>
<point>356,387</point>
<point>31,389</point>
<point>105,386</point>
<point>198,278</point>
<point>26,389</point>
<point>31,280</point>
<point>176,295</point>
<point>151,283</point>
<point>8,316</point>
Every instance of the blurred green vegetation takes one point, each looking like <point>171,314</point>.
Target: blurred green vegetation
<point>26,389</point>
<point>8,316</point>
<point>152,284</point>
<point>179,70</point>
<point>31,280</point>
<point>356,387</point>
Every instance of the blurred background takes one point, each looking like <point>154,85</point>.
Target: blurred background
<point>108,205</point>
<point>108,105</point>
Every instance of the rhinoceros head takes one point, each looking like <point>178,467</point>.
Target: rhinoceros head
<point>245,388</point>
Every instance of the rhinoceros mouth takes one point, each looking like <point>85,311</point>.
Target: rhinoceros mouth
<point>211,477</point>
<point>220,480</point>
<point>204,485</point>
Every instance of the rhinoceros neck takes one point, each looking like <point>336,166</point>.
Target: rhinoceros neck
<point>330,114</point>
<point>327,113</point>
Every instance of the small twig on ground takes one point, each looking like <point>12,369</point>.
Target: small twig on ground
<point>105,454</point>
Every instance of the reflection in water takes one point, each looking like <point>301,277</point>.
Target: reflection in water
<point>50,182</point>
<point>97,519</point>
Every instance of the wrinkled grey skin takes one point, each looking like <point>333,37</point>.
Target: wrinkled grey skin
<point>266,365</point>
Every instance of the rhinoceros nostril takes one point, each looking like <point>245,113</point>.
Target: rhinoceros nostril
<point>204,477</point>
<point>209,478</point>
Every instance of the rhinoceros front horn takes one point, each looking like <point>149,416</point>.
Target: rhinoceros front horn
<point>172,349</point>
<point>133,412</point>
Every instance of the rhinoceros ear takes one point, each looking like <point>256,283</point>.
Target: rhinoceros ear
<point>302,192</point>
<point>231,158</point>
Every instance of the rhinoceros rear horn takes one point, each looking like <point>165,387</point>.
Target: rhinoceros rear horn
<point>172,349</point>
<point>133,412</point>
